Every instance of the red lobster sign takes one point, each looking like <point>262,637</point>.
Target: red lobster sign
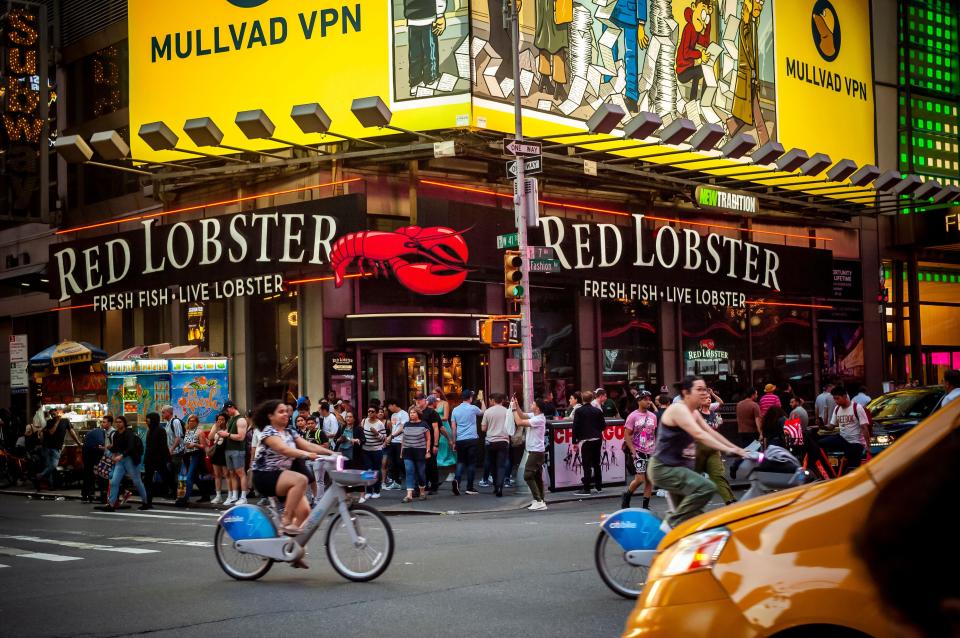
<point>428,261</point>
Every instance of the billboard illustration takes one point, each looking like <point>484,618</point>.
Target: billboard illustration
<point>431,54</point>
<point>199,386</point>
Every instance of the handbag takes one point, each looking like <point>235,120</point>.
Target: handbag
<point>104,468</point>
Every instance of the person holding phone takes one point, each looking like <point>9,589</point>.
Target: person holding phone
<point>374,437</point>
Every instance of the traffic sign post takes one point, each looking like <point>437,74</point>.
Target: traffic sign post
<point>531,166</point>
<point>521,147</point>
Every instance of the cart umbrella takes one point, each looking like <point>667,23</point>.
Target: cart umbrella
<point>67,353</point>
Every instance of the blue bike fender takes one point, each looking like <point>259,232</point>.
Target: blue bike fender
<point>634,528</point>
<point>244,522</point>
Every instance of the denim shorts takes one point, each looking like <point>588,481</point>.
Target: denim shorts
<point>236,459</point>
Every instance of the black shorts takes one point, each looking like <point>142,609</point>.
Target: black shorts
<point>300,466</point>
<point>266,481</point>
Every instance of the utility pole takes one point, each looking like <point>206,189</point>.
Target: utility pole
<point>520,208</point>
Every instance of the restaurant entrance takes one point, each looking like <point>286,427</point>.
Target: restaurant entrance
<point>401,374</point>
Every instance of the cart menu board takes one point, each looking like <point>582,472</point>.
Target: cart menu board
<point>137,387</point>
<point>200,387</point>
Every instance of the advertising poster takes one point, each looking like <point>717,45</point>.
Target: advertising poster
<point>568,470</point>
<point>199,386</point>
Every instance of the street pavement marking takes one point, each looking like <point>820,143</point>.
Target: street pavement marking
<point>172,518</point>
<point>74,516</point>
<point>20,553</point>
<point>180,521</point>
<point>190,513</point>
<point>2,566</point>
<point>164,541</point>
<point>78,545</point>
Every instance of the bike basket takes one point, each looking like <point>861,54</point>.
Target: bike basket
<point>354,477</point>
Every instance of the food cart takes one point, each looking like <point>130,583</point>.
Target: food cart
<point>200,387</point>
<point>137,387</point>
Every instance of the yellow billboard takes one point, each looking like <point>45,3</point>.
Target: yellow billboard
<point>795,71</point>
<point>214,58</point>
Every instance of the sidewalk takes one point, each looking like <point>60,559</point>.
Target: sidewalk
<point>389,503</point>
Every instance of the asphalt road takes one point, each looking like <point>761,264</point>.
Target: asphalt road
<point>66,570</point>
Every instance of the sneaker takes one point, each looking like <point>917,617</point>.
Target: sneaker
<point>363,499</point>
<point>392,486</point>
<point>532,505</point>
<point>508,483</point>
<point>456,487</point>
<point>596,492</point>
<point>484,483</point>
<point>582,493</point>
<point>375,495</point>
<point>230,501</point>
<point>538,506</point>
<point>471,492</point>
<point>215,500</point>
<point>242,500</point>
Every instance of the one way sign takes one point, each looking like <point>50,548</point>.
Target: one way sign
<point>531,166</point>
<point>516,147</point>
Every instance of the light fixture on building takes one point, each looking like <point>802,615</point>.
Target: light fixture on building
<point>160,137</point>
<point>817,163</point>
<point>311,118</point>
<point>203,131</point>
<point>864,175</point>
<point>949,195</point>
<point>886,181</point>
<point>677,131</point>
<point>908,185</point>
<point>606,118</point>
<point>256,125</point>
<point>373,112</point>
<point>642,125</point>
<point>111,146</point>
<point>929,189</point>
<point>738,146</point>
<point>707,137</point>
<point>768,153</point>
<point>792,160</point>
<point>75,150</point>
<point>293,318</point>
<point>842,170</point>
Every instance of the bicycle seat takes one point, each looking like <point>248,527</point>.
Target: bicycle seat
<point>349,478</point>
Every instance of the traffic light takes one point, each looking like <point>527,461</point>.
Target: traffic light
<point>495,332</point>
<point>512,277</point>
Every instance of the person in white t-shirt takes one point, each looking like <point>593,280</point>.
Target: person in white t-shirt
<point>536,424</point>
<point>329,423</point>
<point>853,426</point>
<point>951,386</point>
<point>396,417</point>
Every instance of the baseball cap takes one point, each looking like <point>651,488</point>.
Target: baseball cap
<point>229,404</point>
<point>432,399</point>
<point>645,394</point>
<point>302,400</point>
<point>466,394</point>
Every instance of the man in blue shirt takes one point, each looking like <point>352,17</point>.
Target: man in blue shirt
<point>463,421</point>
<point>631,16</point>
<point>94,443</point>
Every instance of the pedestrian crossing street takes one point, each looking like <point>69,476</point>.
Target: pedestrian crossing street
<point>53,545</point>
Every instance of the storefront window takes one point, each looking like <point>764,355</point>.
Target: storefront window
<point>630,345</point>
<point>555,342</point>
<point>783,347</point>
<point>715,347</point>
<point>275,348</point>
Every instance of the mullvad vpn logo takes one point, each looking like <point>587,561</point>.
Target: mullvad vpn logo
<point>826,30</point>
<point>247,4</point>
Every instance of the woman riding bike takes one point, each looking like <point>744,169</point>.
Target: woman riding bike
<point>274,473</point>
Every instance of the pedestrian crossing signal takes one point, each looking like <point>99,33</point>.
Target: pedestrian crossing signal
<point>512,276</point>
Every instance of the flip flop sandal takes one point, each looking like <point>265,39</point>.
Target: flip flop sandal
<point>291,530</point>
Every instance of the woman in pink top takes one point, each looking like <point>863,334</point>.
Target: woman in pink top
<point>641,435</point>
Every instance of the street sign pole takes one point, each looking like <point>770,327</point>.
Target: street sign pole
<point>519,201</point>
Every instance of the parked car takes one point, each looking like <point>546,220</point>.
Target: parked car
<point>895,413</point>
<point>782,565</point>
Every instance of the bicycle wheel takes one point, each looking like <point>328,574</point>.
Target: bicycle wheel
<point>620,576</point>
<point>237,564</point>
<point>369,558</point>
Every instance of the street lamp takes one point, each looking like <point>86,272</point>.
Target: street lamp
<point>311,118</point>
<point>256,125</point>
<point>74,150</point>
<point>203,131</point>
<point>373,112</point>
<point>159,137</point>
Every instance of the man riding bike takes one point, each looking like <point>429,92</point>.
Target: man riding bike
<point>671,467</point>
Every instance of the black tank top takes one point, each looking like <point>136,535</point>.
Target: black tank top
<point>671,442</point>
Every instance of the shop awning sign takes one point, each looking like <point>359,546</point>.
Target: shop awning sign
<point>720,199</point>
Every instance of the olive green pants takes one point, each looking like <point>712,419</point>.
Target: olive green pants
<point>689,490</point>
<point>709,461</point>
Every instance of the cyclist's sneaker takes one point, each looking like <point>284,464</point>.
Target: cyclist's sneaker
<point>242,500</point>
<point>582,493</point>
<point>484,483</point>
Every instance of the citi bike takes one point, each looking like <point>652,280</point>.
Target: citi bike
<point>628,539</point>
<point>358,538</point>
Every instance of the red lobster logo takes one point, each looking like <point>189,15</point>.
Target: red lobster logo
<point>428,261</point>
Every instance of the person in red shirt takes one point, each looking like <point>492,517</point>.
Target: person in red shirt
<point>769,399</point>
<point>691,55</point>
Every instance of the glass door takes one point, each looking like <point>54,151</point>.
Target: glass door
<point>404,375</point>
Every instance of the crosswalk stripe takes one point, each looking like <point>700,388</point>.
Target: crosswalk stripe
<point>164,541</point>
<point>79,545</point>
<point>20,553</point>
<point>134,514</point>
<point>189,513</point>
<point>2,566</point>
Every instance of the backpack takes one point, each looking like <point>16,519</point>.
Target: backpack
<point>136,449</point>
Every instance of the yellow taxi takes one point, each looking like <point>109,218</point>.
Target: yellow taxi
<point>781,565</point>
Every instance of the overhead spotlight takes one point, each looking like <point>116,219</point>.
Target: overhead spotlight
<point>864,175</point>
<point>792,160</point>
<point>738,146</point>
<point>841,170</point>
<point>642,125</point>
<point>767,153</point>
<point>817,163</point>
<point>606,118</point>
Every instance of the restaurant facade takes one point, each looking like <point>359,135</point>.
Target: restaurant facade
<point>364,267</point>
